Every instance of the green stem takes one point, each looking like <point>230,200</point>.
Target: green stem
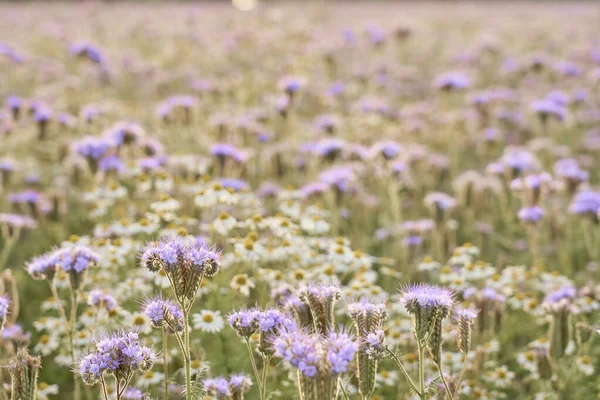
<point>72,321</point>
<point>422,393</point>
<point>255,369</point>
<point>104,388</point>
<point>165,366</point>
<point>448,391</point>
<point>404,372</point>
<point>187,359</point>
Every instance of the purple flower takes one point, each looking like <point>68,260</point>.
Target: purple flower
<point>111,163</point>
<point>564,293</point>
<point>217,386</point>
<point>97,298</point>
<point>341,348</point>
<point>569,168</point>
<point>119,354</point>
<point>303,350</point>
<point>419,297</point>
<point>17,221</point>
<point>4,304</point>
<point>92,147</point>
<point>531,214</point>
<point>90,51</point>
<point>163,312</point>
<point>234,184</point>
<point>244,322</point>
<point>77,259</point>
<point>585,202</point>
<point>548,108</point>
<point>452,81</point>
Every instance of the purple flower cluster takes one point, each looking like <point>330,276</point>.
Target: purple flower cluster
<point>269,321</point>
<point>97,298</point>
<point>77,259</point>
<point>341,348</point>
<point>119,354</point>
<point>423,297</point>
<point>303,350</point>
<point>176,253</point>
<point>221,387</point>
<point>164,312</point>
<point>17,221</point>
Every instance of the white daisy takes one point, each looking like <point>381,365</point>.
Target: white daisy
<point>140,322</point>
<point>44,390</point>
<point>241,283</point>
<point>208,321</point>
<point>46,344</point>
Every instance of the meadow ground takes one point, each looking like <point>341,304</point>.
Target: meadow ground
<point>355,200</point>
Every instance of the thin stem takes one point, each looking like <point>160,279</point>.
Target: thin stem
<point>460,375</point>
<point>404,372</point>
<point>165,366</point>
<point>448,391</point>
<point>422,394</point>
<point>266,361</point>
<point>188,373</point>
<point>255,369</point>
<point>8,245</point>
<point>72,321</point>
<point>104,388</point>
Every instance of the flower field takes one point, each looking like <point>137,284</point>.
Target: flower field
<point>315,201</point>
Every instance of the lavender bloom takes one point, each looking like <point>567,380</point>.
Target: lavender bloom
<point>133,394</point>
<point>585,203</point>
<point>239,383</point>
<point>341,348</point>
<point>185,260</point>
<point>564,293</point>
<point>234,184</point>
<point>428,304</point>
<point>163,312</point>
<point>111,163</point>
<point>119,354</point>
<point>44,266</point>
<point>531,214</point>
<point>25,197</point>
<point>218,387</point>
<point>4,304</point>
<point>304,351</point>
<point>91,147</point>
<point>87,50</point>
<point>548,108</point>
<point>77,259</point>
<point>452,81</point>
<point>291,84</point>
<point>17,222</point>
<point>97,298</point>
<point>244,322</point>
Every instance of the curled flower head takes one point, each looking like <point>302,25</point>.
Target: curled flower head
<point>163,312</point>
<point>244,322</point>
<point>185,260</point>
<point>44,266</point>
<point>239,383</point>
<point>119,354</point>
<point>4,305</point>
<point>423,297</point>
<point>341,348</point>
<point>301,349</point>
<point>98,298</point>
<point>218,387</point>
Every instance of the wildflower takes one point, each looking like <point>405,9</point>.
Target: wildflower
<point>585,365</point>
<point>208,321</point>
<point>4,305</point>
<point>241,283</point>
<point>163,312</point>
<point>97,298</point>
<point>119,354</point>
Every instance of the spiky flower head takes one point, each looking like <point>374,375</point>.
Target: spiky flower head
<point>75,261</point>
<point>119,354</point>
<point>341,348</point>
<point>238,385</point>
<point>320,300</point>
<point>185,260</point>
<point>23,370</point>
<point>301,349</point>
<point>97,298</point>
<point>464,320</point>
<point>4,305</point>
<point>367,316</point>
<point>163,313</point>
<point>44,266</point>
<point>217,387</point>
<point>244,322</point>
<point>428,304</point>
